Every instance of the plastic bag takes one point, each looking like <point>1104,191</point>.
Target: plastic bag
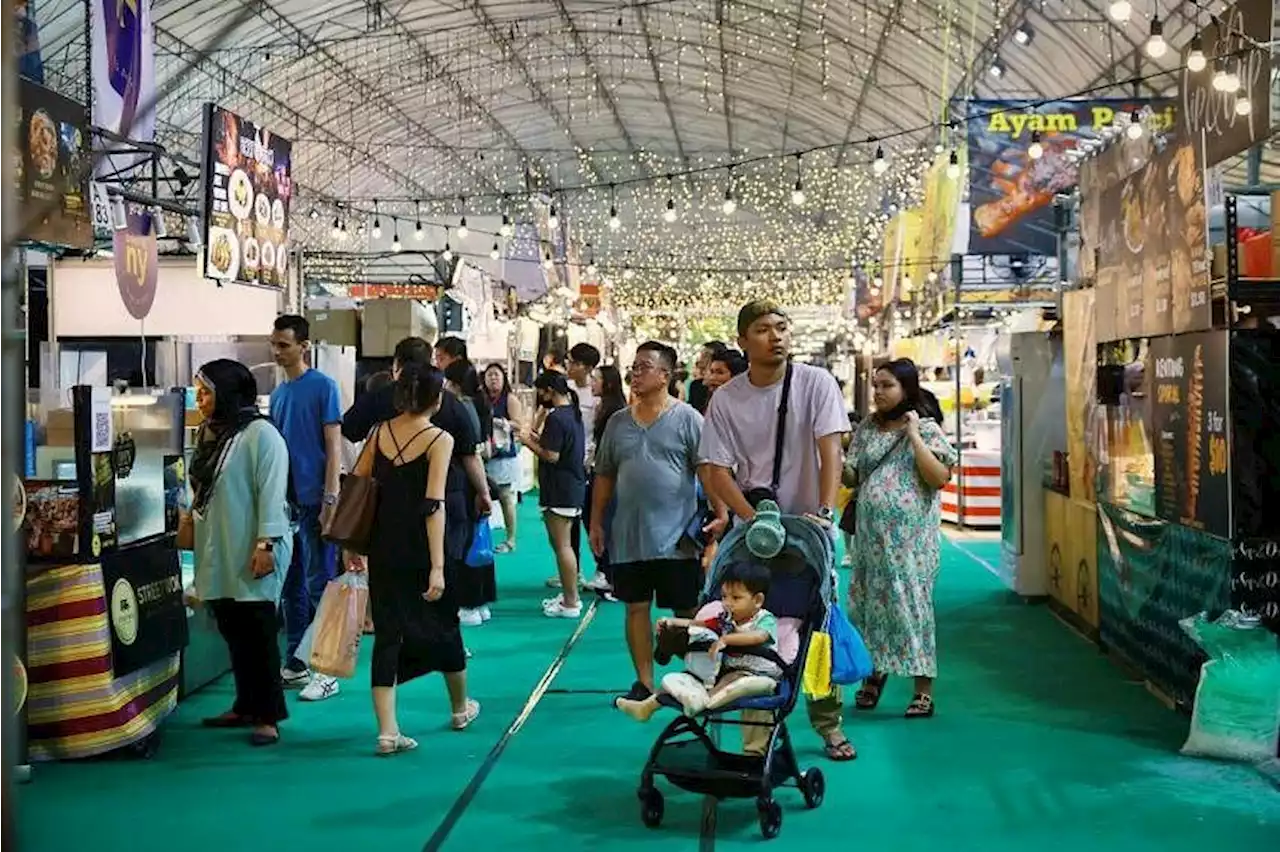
<point>850,659</point>
<point>480,554</point>
<point>817,666</point>
<point>338,626</point>
<point>1237,704</point>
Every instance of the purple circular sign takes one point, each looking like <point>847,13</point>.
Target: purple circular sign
<point>136,262</point>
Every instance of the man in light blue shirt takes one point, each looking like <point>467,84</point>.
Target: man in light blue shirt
<point>306,408</point>
<point>648,457</point>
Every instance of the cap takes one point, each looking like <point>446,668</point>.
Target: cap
<point>755,309</point>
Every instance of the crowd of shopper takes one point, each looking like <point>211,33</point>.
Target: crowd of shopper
<point>652,479</point>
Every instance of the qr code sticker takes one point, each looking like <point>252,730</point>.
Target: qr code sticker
<point>101,429</point>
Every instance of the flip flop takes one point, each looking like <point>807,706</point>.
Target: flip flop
<point>839,750</point>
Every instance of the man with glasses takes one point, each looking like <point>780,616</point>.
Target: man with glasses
<point>648,458</point>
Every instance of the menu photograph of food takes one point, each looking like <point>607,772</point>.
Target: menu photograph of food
<point>51,166</point>
<point>248,194</point>
<point>1189,420</point>
<point>1181,172</point>
<point>52,520</point>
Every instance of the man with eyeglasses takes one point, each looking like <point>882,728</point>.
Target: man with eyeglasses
<point>648,458</point>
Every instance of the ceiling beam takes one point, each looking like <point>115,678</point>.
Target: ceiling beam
<point>791,79</point>
<point>881,42</point>
<point>662,86</point>
<point>726,103</point>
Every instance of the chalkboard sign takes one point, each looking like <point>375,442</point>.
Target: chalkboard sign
<point>1189,431</point>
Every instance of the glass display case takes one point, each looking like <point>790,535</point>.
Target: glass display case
<point>1126,464</point>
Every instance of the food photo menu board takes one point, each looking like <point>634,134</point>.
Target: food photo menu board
<point>1190,429</point>
<point>51,168</point>
<point>1153,271</point>
<point>247,194</point>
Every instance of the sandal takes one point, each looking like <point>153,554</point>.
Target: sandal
<point>868,698</point>
<point>505,547</point>
<point>394,744</point>
<point>839,750</point>
<point>921,706</point>
<point>460,721</point>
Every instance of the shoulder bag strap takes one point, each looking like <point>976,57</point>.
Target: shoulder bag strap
<point>863,477</point>
<point>780,433</point>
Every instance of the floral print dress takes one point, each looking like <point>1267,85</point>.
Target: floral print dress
<point>896,549</point>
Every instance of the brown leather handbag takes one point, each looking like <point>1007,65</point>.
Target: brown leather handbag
<point>350,525</point>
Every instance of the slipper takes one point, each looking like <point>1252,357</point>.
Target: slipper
<point>840,751</point>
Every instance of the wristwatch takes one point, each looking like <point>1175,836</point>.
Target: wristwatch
<point>331,499</point>
<point>826,513</point>
<point>267,544</point>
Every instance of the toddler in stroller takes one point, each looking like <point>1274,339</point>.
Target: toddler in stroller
<point>712,680</point>
<point>761,653</point>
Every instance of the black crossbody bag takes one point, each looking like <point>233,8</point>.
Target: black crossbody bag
<point>849,517</point>
<point>756,495</point>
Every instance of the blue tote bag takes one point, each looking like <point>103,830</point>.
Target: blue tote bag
<point>480,554</point>
<point>850,659</point>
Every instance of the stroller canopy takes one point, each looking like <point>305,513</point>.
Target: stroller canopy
<point>808,548</point>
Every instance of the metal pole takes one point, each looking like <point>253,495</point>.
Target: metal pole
<point>12,605</point>
<point>958,337</point>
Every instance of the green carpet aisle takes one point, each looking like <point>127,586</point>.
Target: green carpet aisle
<point>1039,740</point>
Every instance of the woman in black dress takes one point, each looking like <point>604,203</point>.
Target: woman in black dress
<point>477,585</point>
<point>413,596</point>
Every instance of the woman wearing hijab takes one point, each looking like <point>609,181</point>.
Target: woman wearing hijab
<point>239,481</point>
<point>897,465</point>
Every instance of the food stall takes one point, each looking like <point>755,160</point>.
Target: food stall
<point>106,623</point>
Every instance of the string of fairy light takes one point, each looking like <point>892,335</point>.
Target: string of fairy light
<point>802,198</point>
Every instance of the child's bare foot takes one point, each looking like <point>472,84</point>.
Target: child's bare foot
<point>641,711</point>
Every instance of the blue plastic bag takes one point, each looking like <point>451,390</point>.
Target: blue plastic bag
<point>850,659</point>
<point>480,555</point>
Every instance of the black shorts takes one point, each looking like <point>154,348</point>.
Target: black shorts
<point>674,583</point>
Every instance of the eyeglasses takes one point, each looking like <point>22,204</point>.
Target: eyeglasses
<point>642,367</point>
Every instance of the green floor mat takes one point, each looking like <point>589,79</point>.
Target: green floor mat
<point>1038,740</point>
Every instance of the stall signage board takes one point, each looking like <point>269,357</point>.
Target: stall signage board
<point>1189,428</point>
<point>1011,195</point>
<point>143,587</point>
<point>137,261</point>
<point>52,163</point>
<point>1203,110</point>
<point>248,189</point>
<point>1152,271</point>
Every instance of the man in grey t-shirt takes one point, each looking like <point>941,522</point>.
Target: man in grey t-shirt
<point>648,458</point>
<point>737,457</point>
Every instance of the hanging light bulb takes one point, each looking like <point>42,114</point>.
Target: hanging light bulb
<point>1156,45</point>
<point>553,221</point>
<point>1195,58</point>
<point>447,254</point>
<point>377,228</point>
<point>953,166</point>
<point>546,259</point>
<point>495,252</point>
<point>997,68</point>
<point>797,195</point>
<point>395,242</point>
<point>1243,105</point>
<point>359,229</point>
<point>505,230</point>
<point>669,215</point>
<point>628,273</point>
<point>1024,35</point>
<point>880,165</point>
<point>418,233</point>
<point>313,214</point>
<point>1134,130</point>
<point>592,271</point>
<point>729,204</point>
<point>671,279</point>
<point>462,228</point>
<point>1035,150</point>
<point>1120,11</point>
<point>614,222</point>
<point>337,228</point>
<point>1231,82</point>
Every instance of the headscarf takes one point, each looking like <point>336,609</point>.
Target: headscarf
<point>235,406</point>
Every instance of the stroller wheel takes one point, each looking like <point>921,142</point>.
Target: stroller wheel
<point>770,818</point>
<point>814,787</point>
<point>652,808</point>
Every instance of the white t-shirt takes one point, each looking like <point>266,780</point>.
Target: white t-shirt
<point>741,428</point>
<point>587,404</point>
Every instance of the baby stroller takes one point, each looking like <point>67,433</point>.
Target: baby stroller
<point>687,752</point>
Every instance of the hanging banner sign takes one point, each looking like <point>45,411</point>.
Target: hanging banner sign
<point>50,169</point>
<point>122,41</point>
<point>1010,193</point>
<point>1204,109</point>
<point>137,261</point>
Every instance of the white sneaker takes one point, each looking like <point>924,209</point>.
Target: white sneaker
<point>559,610</point>
<point>485,614</point>
<point>470,617</point>
<point>320,688</point>
<point>598,583</point>
<point>294,680</point>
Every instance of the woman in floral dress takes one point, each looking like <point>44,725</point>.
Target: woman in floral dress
<point>898,462</point>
